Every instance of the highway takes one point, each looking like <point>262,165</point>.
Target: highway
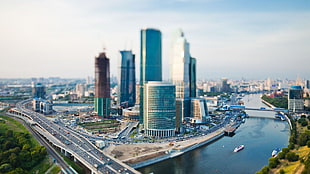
<point>76,144</point>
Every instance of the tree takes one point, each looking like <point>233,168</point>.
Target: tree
<point>273,162</point>
<point>291,156</point>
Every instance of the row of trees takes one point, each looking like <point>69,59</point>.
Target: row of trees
<point>280,102</point>
<point>17,152</point>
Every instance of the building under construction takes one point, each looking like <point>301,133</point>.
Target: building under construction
<point>102,85</point>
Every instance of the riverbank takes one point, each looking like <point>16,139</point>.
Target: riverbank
<point>286,117</point>
<point>144,154</point>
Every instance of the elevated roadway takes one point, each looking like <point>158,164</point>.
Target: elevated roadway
<point>72,143</point>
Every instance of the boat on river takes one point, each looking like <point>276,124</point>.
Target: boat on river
<point>275,152</point>
<point>237,149</point>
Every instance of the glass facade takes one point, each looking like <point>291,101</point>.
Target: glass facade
<point>295,98</point>
<point>159,109</point>
<point>127,83</point>
<point>193,77</point>
<point>180,65</point>
<point>150,63</point>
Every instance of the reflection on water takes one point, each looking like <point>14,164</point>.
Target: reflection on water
<point>259,135</point>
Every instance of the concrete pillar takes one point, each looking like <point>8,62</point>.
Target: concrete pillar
<point>93,172</point>
<point>66,154</point>
<point>74,159</point>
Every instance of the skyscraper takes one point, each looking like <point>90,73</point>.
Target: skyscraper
<point>180,65</point>
<point>38,90</point>
<point>127,83</point>
<point>150,63</point>
<point>159,109</point>
<point>192,77</point>
<point>102,85</point>
<point>180,75</point>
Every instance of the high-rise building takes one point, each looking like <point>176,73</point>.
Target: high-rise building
<point>180,65</point>
<point>150,63</point>
<point>127,79</point>
<point>102,85</point>
<point>38,90</point>
<point>192,77</point>
<point>180,75</point>
<point>308,84</point>
<point>295,98</point>
<point>159,109</point>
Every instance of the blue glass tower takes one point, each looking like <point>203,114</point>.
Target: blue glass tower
<point>150,63</point>
<point>127,84</point>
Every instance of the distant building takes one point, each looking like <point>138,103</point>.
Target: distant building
<point>151,61</point>
<point>127,80</point>
<point>102,85</point>
<point>225,86</point>
<point>159,109</point>
<point>308,84</point>
<point>199,110</point>
<point>38,90</point>
<point>80,90</point>
<point>295,98</point>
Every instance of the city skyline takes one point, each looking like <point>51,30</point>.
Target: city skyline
<point>229,39</point>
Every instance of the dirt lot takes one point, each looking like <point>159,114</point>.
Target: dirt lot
<point>134,153</point>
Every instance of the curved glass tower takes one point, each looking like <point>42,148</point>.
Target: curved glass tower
<point>159,109</point>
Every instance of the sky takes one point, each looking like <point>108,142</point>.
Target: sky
<point>229,38</point>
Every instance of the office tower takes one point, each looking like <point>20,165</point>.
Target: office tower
<point>180,65</point>
<point>180,76</point>
<point>150,63</point>
<point>192,77</point>
<point>225,86</point>
<point>38,90</point>
<point>127,79</point>
<point>102,85</point>
<point>159,109</point>
<point>308,84</point>
<point>295,98</point>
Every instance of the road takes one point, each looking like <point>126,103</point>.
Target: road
<point>77,145</point>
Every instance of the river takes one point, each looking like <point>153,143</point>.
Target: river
<point>259,135</point>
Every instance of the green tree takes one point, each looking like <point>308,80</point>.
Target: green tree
<point>273,162</point>
<point>291,156</point>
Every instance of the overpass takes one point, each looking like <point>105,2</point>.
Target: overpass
<point>71,143</point>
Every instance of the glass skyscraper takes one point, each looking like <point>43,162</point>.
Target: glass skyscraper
<point>102,85</point>
<point>180,65</point>
<point>151,62</point>
<point>192,77</point>
<point>295,98</point>
<point>159,109</point>
<point>127,83</point>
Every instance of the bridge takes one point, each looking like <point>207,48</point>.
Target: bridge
<point>71,143</point>
<point>241,107</point>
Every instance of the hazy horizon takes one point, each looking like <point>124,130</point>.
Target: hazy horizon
<point>233,39</point>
